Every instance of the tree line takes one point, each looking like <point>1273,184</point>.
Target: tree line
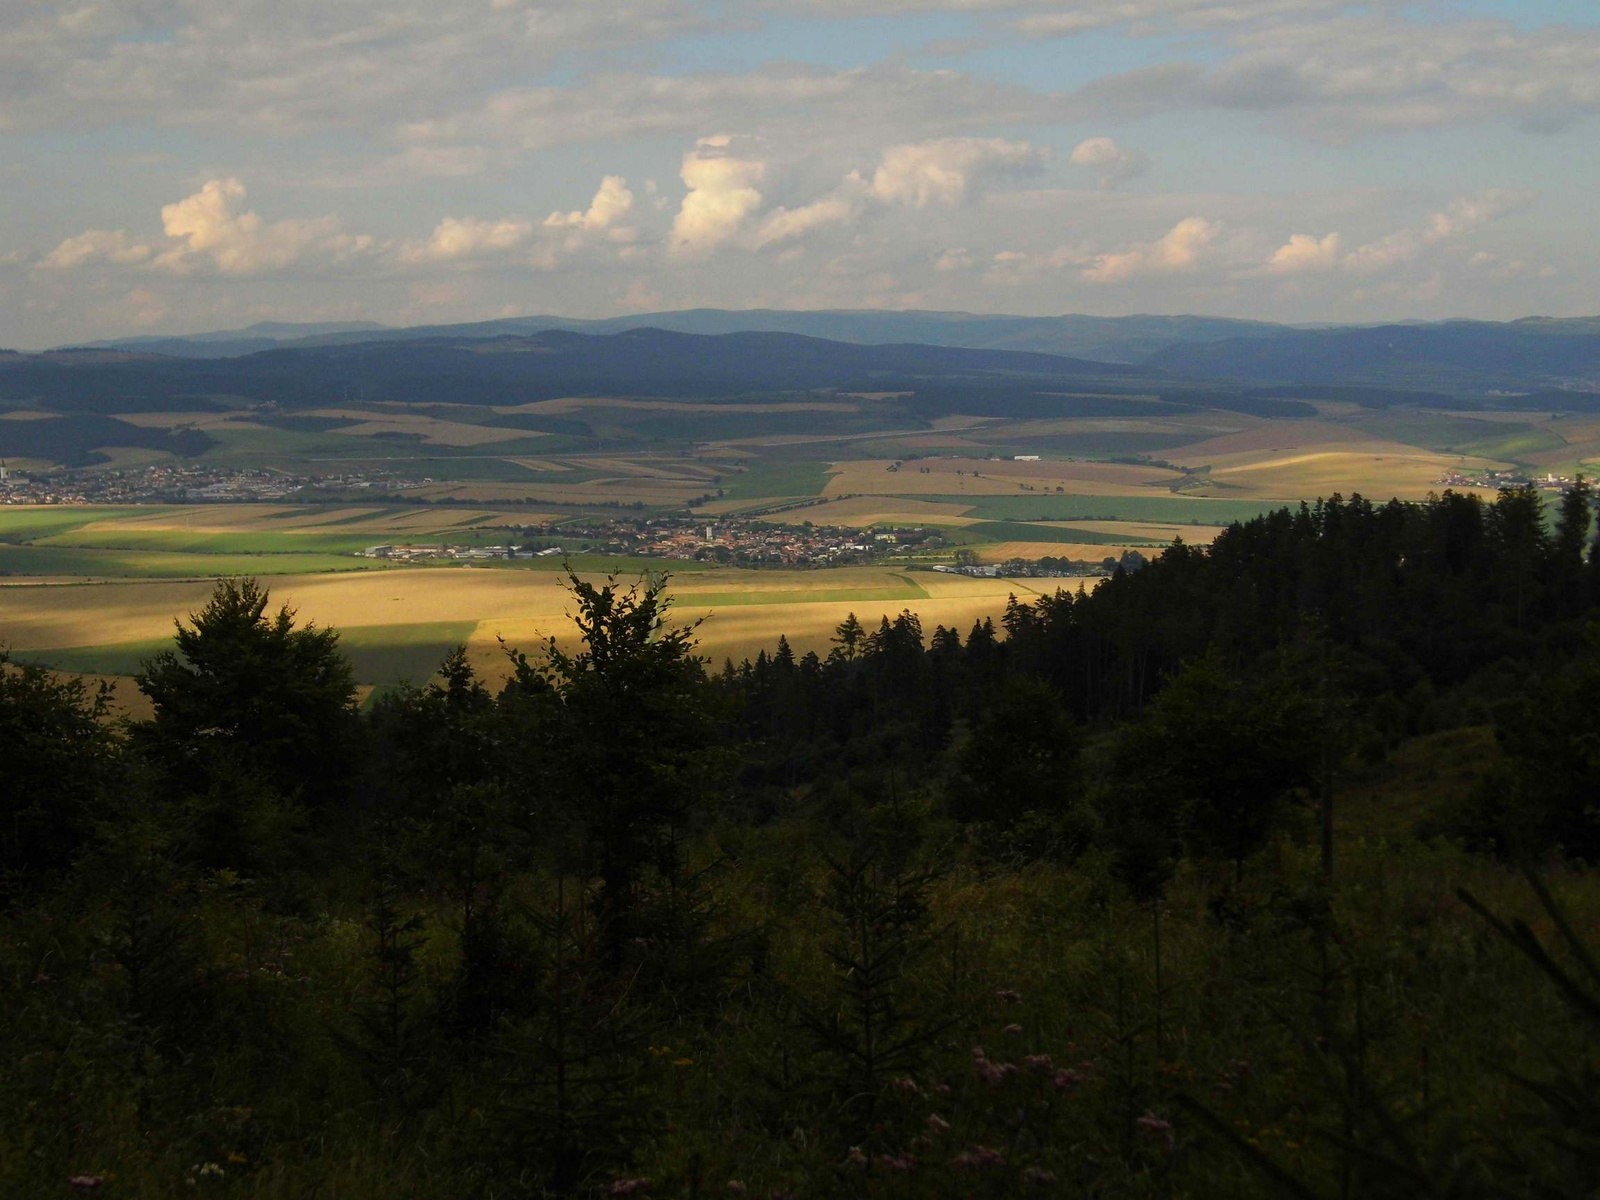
<point>610,848</point>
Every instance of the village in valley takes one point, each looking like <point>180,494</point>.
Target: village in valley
<point>181,482</point>
<point>730,542</point>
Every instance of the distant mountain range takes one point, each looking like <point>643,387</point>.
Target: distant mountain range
<point>1466,357</point>
<point>1105,339</point>
<point>1470,358</point>
<point>519,369</point>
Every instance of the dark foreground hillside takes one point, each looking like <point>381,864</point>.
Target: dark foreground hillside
<point>1208,884</point>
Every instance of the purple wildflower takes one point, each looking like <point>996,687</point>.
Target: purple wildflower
<point>977,1158</point>
<point>993,1073</point>
<point>1157,1129</point>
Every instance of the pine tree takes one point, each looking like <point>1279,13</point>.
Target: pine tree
<point>850,637</point>
<point>245,691</point>
<point>1568,546</point>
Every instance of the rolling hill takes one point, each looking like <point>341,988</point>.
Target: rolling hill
<point>1110,339</point>
<point>515,370</point>
<point>1464,357</point>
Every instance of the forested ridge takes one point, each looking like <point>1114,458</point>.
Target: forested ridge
<point>1261,870</point>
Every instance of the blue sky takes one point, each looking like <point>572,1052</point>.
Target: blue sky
<point>175,165</point>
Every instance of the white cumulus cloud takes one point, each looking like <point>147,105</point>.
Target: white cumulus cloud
<point>97,245</point>
<point>1181,248</point>
<point>1305,252</point>
<point>212,224</point>
<point>1470,212</point>
<point>457,238</point>
<point>611,205</point>
<point>942,171</point>
<point>785,225</point>
<point>1460,217</point>
<point>212,228</point>
<point>1110,162</point>
<point>722,196</point>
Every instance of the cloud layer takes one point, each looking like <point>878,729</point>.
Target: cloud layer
<point>167,161</point>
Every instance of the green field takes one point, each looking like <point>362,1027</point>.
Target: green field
<point>243,541</point>
<point>1024,531</point>
<point>1514,444</point>
<point>20,523</point>
<point>776,477</point>
<point>164,564</point>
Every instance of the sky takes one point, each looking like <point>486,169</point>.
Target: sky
<point>182,165</point>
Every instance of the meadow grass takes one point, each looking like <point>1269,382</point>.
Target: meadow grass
<point>25,523</point>
<point>1446,1016</point>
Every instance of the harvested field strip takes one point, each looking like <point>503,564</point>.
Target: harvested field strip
<point>808,596</point>
<point>541,464</point>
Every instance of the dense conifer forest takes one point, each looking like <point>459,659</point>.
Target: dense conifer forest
<point>1261,870</point>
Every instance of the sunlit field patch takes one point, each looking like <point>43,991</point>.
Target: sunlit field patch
<point>1321,473</point>
<point>413,613</point>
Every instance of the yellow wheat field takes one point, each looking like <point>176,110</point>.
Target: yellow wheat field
<point>1292,475</point>
<point>523,606</point>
